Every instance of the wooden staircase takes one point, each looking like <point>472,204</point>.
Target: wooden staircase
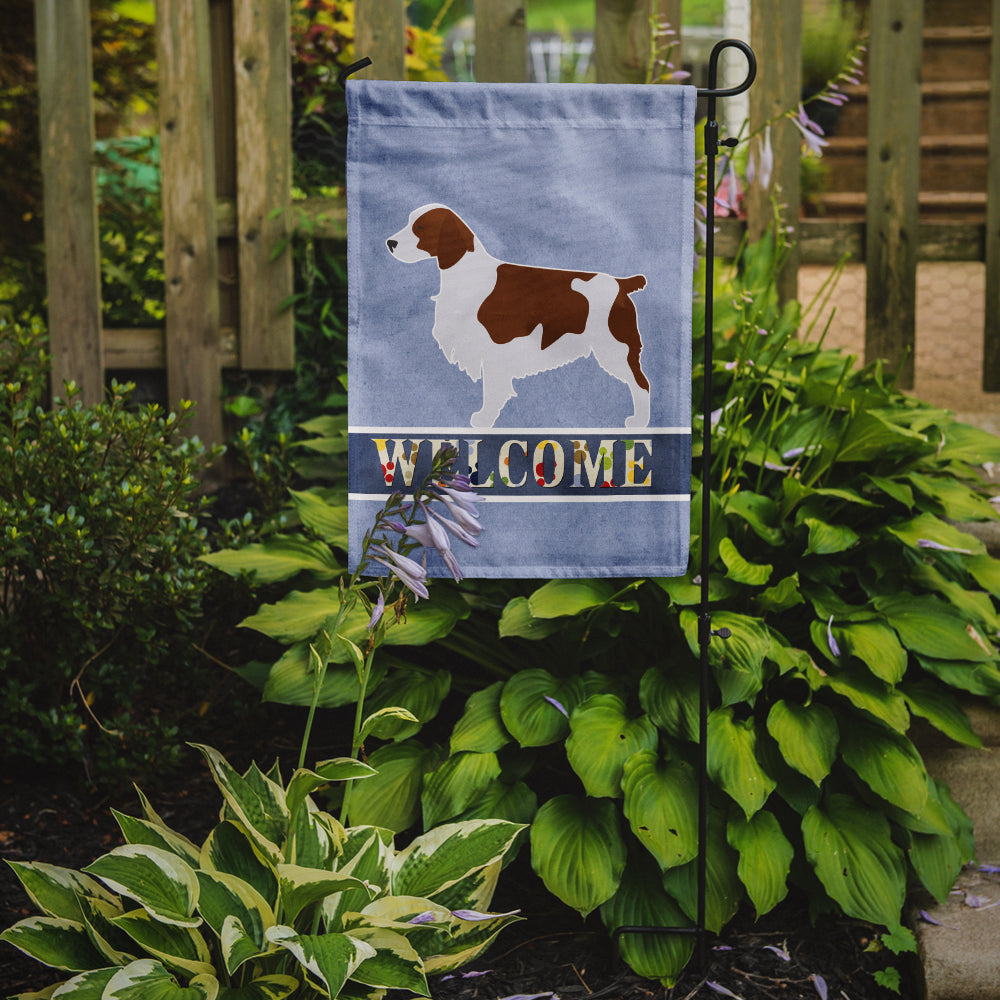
<point>955,93</point>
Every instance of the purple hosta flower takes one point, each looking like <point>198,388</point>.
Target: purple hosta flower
<point>410,573</point>
<point>728,195</point>
<point>760,166</point>
<point>927,918</point>
<point>927,543</point>
<point>558,705</point>
<point>820,983</point>
<point>427,917</point>
<point>780,952</point>
<point>990,869</point>
<point>457,530</point>
<point>719,988</point>
<point>475,915</point>
<point>465,975</point>
<point>811,132</point>
<point>377,611</point>
<point>834,648</point>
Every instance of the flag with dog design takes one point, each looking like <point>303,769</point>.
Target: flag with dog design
<point>520,261</point>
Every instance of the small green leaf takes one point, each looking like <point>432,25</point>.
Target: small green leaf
<point>481,727</point>
<point>732,760</point>
<point>456,784</point>
<point>391,798</point>
<point>535,706</point>
<point>739,569</point>
<point>807,736</point>
<point>559,598</point>
<point>279,558</point>
<point>765,858</point>
<point>517,620</point>
<point>828,539</point>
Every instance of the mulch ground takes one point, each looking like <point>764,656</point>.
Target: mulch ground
<point>551,952</point>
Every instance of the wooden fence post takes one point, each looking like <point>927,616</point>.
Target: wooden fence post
<point>72,256</point>
<point>501,41</point>
<point>621,40</point>
<point>991,333</point>
<point>380,34</point>
<point>893,183</point>
<point>776,35</point>
<point>262,61</point>
<point>190,252</point>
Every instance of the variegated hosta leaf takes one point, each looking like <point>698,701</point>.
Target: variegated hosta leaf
<point>177,947</point>
<point>602,737</point>
<point>661,799</point>
<point>230,849</point>
<point>329,959</point>
<point>481,727</point>
<point>56,891</point>
<point>456,784</point>
<point>315,838</point>
<point>391,799</point>
<point>850,847</point>
<point>86,986</point>
<point>765,858</point>
<point>116,947</point>
<point>807,736</point>
<point>158,880</point>
<point>367,853</point>
<point>256,801</point>
<point>578,851</point>
<point>416,689</point>
<point>54,941</point>
<point>535,706</point>
<point>300,887</point>
<point>225,897</point>
<point>888,763</point>
<point>476,890</point>
<point>723,889</point>
<point>642,902</point>
<point>441,857</point>
<point>732,760</point>
<point>467,940</point>
<point>273,987</point>
<point>147,979</point>
<point>395,964</point>
<point>141,831</point>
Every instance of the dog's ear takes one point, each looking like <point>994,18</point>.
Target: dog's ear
<point>445,236</point>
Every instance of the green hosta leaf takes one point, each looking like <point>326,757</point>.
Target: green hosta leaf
<point>391,798</point>
<point>723,889</point>
<point>141,831</point>
<point>301,887</point>
<point>56,891</point>
<point>976,605</point>
<point>937,860</point>
<point>330,959</point>
<point>418,690</point>
<point>456,784</point>
<point>180,948</point>
<point>517,620</point>
<point>528,710</point>
<point>54,941</point>
<point>827,539</point>
<point>783,595</point>
<point>869,436</point>
<point>481,728</point>
<point>932,628</point>
<point>758,511</point>
<point>732,760</point>
<point>807,736</point>
<point>738,661</point>
<point>850,847</point>
<point>928,528</point>
<point>893,488</point>
<point>976,678</point>
<point>230,849</point>
<point>684,592</point>
<point>395,964</point>
<point>986,571</point>
<point>225,897</point>
<point>957,501</point>
<point>443,856</point>
<point>965,443</point>
<point>558,598</point>
<point>765,858</point>
<point>291,680</point>
<point>876,646</point>
<point>671,699</point>
<point>865,692</point>
<point>941,709</point>
<point>274,987</point>
<point>147,979</point>
<point>641,901</point>
<point>279,558</point>
<point>260,809</point>
<point>661,798</point>
<point>739,569</point>
<point>515,803</point>
<point>327,520</point>
<point>159,881</point>
<point>602,738</point>
<point>385,723</point>
<point>578,851</point>
<point>888,763</point>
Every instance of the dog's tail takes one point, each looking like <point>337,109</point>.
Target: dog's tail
<point>634,284</point>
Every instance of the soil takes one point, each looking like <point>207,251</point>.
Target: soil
<point>551,952</point>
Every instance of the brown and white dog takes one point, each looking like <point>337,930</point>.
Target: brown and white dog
<point>499,321</point>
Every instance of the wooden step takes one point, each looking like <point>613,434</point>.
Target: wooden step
<point>956,53</point>
<point>957,206</point>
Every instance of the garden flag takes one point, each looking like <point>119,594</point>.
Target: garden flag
<point>520,262</point>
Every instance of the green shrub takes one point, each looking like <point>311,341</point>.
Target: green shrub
<point>99,540</point>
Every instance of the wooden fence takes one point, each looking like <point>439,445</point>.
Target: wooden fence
<point>226,161</point>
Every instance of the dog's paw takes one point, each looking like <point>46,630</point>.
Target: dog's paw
<point>484,418</point>
<point>637,421</point>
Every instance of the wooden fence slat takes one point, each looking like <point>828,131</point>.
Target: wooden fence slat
<point>72,256</point>
<point>190,253</point>
<point>380,34</point>
<point>501,41</point>
<point>776,36</point>
<point>893,184</point>
<point>262,61</point>
<point>621,40</point>
<point>991,332</point>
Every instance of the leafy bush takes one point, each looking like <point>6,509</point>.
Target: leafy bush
<point>279,898</point>
<point>854,604</point>
<point>99,539</point>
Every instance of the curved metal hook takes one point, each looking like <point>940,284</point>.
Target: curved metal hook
<point>713,69</point>
<point>353,68</point>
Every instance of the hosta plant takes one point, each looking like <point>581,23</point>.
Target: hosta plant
<point>279,900</point>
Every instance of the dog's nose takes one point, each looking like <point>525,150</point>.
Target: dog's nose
<point>392,244</point>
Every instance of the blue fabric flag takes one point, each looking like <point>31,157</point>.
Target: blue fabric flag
<point>520,261</point>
